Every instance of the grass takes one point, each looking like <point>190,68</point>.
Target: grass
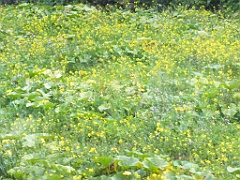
<point>87,94</point>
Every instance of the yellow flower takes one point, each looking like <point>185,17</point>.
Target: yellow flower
<point>90,170</point>
<point>127,173</point>
<point>138,176</point>
<point>77,177</point>
<point>114,149</point>
<point>93,150</point>
<point>8,152</point>
<point>8,91</point>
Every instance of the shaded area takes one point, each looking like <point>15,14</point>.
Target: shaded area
<point>132,4</point>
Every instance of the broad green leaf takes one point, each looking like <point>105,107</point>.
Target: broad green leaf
<point>35,72</point>
<point>211,93</point>
<point>188,165</point>
<point>45,95</point>
<point>130,90</point>
<point>31,95</point>
<point>209,176</point>
<point>45,104</point>
<point>184,177</point>
<point>231,170</point>
<point>236,95</point>
<point>14,95</point>
<point>47,72</point>
<point>169,175</point>
<point>64,169</point>
<point>198,74</point>
<point>84,95</point>
<point>29,140</point>
<point>127,161</point>
<point>54,177</point>
<point>141,172</point>
<point>10,136</point>
<point>230,110</point>
<point>103,177</point>
<point>38,171</point>
<point>104,160</point>
<point>31,104</point>
<point>45,136</point>
<point>28,157</point>
<point>103,107</point>
<point>214,66</point>
<point>57,74</point>
<point>232,84</point>
<point>119,176</point>
<point>158,162</point>
<point>136,153</point>
<point>29,85</point>
<point>18,172</point>
<point>146,164</point>
<point>48,85</point>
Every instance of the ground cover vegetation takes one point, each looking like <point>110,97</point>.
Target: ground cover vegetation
<point>132,4</point>
<point>86,94</point>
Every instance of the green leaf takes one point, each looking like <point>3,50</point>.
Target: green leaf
<point>209,176</point>
<point>84,95</point>
<point>31,104</point>
<point>45,95</point>
<point>18,172</point>
<point>14,95</point>
<point>31,95</point>
<point>29,140</point>
<point>232,84</point>
<point>231,170</point>
<point>48,85</point>
<point>188,165</point>
<point>136,154</point>
<point>45,136</point>
<point>127,161</point>
<point>64,169</point>
<point>45,105</point>
<point>28,157</point>
<point>119,176</point>
<point>230,111</point>
<point>158,162</point>
<point>54,177</point>
<point>37,171</point>
<point>214,66</point>
<point>9,136</point>
<point>35,72</point>
<point>28,86</point>
<point>57,74</point>
<point>236,95</point>
<point>198,74</point>
<point>130,90</point>
<point>208,2</point>
<point>147,164</point>
<point>104,160</point>
<point>184,177</point>
<point>103,107</point>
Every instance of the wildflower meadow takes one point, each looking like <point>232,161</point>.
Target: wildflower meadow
<point>92,94</point>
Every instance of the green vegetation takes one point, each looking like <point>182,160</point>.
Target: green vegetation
<point>212,5</point>
<point>86,94</point>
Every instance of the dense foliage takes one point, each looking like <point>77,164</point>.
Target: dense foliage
<point>159,4</point>
<point>86,94</point>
